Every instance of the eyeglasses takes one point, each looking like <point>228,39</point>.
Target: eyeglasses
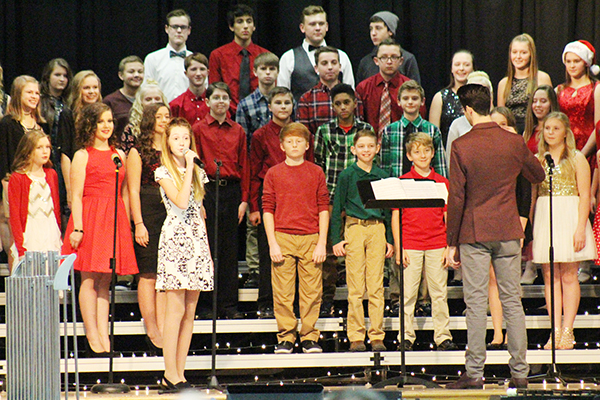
<point>179,27</point>
<point>389,58</point>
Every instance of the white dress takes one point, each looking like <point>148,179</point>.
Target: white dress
<point>41,232</point>
<point>184,260</point>
<point>565,205</point>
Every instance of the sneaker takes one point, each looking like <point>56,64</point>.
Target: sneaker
<point>266,313</point>
<point>446,345</point>
<point>394,310</point>
<point>584,276</point>
<point>358,346</point>
<point>310,346</point>
<point>284,347</point>
<point>407,345</point>
<point>377,345</point>
<point>327,310</point>
<point>122,286</point>
<point>252,281</point>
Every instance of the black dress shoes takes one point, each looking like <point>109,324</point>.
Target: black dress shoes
<point>466,383</point>
<point>518,383</point>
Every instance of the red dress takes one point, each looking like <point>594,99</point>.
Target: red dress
<point>96,248</point>
<point>579,107</point>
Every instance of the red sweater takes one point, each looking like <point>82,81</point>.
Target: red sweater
<point>18,200</point>
<point>295,195</point>
<point>424,228</point>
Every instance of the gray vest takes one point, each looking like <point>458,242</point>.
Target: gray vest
<point>304,76</point>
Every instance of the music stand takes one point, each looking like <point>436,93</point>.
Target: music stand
<point>367,196</point>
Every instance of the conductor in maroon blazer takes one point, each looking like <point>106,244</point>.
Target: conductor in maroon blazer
<point>483,220</point>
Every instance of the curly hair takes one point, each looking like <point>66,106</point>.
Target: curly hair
<point>86,124</point>
<point>137,109</point>
<point>145,139</point>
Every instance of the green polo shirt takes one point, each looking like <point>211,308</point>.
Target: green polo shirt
<point>347,199</point>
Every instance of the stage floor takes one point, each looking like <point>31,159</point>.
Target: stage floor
<point>410,392</point>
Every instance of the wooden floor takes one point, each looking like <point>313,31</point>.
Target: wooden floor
<point>409,392</point>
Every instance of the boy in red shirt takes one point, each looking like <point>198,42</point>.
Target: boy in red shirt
<point>296,218</point>
<point>191,104</point>
<point>424,246</point>
<point>265,152</point>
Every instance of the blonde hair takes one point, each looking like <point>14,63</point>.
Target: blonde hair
<point>570,149</point>
<point>481,78</point>
<point>75,100</point>
<point>15,107</point>
<point>137,109</point>
<point>167,159</point>
<point>419,138</point>
<point>533,65</point>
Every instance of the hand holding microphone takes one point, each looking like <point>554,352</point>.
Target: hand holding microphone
<point>187,153</point>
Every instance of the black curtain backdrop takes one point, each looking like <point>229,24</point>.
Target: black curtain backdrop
<point>97,34</point>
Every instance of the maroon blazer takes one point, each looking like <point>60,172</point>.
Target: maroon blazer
<point>484,165</point>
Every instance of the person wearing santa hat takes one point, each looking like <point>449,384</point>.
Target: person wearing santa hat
<point>579,98</point>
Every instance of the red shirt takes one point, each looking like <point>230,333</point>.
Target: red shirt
<point>224,66</point>
<point>190,107</point>
<point>370,91</point>
<point>225,142</point>
<point>532,143</point>
<point>18,199</point>
<point>315,109</point>
<point>424,228</point>
<point>295,195</point>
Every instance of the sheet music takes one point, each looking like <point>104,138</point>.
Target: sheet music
<point>403,189</point>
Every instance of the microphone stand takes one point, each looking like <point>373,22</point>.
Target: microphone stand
<point>553,372</point>
<point>214,382</point>
<point>112,387</point>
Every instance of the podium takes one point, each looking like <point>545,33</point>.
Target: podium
<point>369,199</point>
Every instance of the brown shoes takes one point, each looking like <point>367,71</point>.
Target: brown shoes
<point>358,346</point>
<point>518,383</point>
<point>464,382</point>
<point>377,345</point>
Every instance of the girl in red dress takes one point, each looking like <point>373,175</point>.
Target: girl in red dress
<point>90,229</point>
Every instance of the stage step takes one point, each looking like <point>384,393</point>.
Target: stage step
<point>243,326</point>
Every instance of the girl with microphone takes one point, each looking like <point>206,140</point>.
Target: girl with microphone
<point>185,265</point>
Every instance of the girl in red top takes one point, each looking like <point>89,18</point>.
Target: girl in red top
<point>542,103</point>
<point>90,229</point>
<point>33,196</point>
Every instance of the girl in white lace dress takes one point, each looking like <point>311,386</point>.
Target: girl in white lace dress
<point>184,263</point>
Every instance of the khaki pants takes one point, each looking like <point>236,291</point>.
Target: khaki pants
<point>297,249</point>
<point>437,276</point>
<point>365,256</point>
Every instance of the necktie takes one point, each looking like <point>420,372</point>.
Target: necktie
<point>244,74</point>
<point>177,54</point>
<point>385,109</point>
<point>311,47</point>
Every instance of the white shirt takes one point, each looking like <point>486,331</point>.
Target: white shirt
<point>168,71</point>
<point>459,127</point>
<point>286,66</point>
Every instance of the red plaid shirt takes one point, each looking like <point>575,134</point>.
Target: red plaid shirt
<point>315,108</point>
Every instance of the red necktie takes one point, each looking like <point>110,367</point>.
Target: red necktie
<point>385,109</point>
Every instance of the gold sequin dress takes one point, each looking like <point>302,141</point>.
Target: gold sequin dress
<point>565,201</point>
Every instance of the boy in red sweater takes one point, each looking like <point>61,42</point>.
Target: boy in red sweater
<point>424,248</point>
<point>296,218</point>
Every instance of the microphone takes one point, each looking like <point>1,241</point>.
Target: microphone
<point>117,160</point>
<point>196,159</point>
<point>549,159</point>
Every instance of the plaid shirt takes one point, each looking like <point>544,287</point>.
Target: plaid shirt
<point>393,141</point>
<point>332,150</point>
<point>314,107</point>
<point>252,113</point>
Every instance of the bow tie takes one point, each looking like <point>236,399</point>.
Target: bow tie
<point>311,47</point>
<point>176,54</point>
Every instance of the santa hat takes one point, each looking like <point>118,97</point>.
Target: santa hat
<point>586,51</point>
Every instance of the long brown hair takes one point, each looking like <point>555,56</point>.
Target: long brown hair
<point>145,139</point>
<point>25,150</point>
<point>87,124</point>
<point>533,65</point>
<point>531,120</point>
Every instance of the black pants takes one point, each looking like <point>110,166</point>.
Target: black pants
<point>227,240</point>
<point>265,288</point>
